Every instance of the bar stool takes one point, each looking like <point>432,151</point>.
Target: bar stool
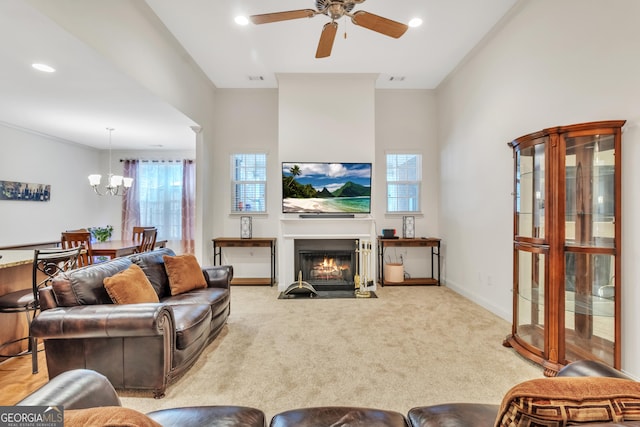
<point>48,262</point>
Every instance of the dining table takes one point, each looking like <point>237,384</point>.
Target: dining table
<point>118,248</point>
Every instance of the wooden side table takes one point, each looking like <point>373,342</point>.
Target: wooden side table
<point>236,242</point>
<point>431,242</point>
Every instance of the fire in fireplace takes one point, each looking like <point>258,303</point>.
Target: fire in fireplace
<point>327,264</point>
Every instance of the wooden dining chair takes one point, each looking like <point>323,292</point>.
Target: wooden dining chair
<point>74,239</point>
<point>148,241</point>
<point>137,232</point>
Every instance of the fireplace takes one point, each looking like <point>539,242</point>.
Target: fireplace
<point>327,264</point>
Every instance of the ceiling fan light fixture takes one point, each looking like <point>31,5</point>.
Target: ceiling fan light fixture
<point>336,10</point>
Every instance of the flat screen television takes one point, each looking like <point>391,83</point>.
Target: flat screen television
<point>326,188</point>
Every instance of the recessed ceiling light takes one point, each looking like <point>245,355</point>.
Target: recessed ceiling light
<point>241,20</point>
<point>415,22</point>
<point>43,67</point>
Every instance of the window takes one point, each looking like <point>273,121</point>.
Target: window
<point>160,191</point>
<point>404,177</point>
<point>248,182</point>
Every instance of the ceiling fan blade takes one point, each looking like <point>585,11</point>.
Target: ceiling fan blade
<point>326,39</point>
<point>282,16</point>
<point>379,24</point>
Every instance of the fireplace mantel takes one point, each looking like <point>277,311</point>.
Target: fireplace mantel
<point>292,228</point>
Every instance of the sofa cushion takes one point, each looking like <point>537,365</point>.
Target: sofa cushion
<point>84,286</point>
<point>130,286</point>
<point>338,416</point>
<point>184,273</point>
<point>107,416</point>
<point>192,321</point>
<point>564,401</point>
<point>217,298</point>
<point>153,266</point>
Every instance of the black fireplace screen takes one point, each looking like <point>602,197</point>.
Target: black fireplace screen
<point>318,267</point>
<point>323,266</point>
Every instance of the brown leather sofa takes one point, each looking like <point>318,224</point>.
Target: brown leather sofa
<point>83,389</point>
<point>136,346</point>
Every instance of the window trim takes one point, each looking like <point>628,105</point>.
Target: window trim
<point>233,182</point>
<point>418,183</point>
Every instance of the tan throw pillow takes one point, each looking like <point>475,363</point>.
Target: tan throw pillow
<point>561,401</point>
<point>107,416</point>
<point>184,273</point>
<point>130,286</point>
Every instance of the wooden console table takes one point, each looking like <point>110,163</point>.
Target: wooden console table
<point>431,242</point>
<point>265,242</point>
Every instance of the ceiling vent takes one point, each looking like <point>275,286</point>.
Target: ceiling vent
<point>256,78</point>
<point>396,78</point>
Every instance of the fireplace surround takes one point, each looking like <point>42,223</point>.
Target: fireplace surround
<point>312,232</point>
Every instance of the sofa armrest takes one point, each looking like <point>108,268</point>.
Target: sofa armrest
<point>46,298</point>
<point>590,368</point>
<point>219,276</point>
<point>75,389</point>
<point>103,321</point>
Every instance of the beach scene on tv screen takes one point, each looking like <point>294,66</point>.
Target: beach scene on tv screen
<point>326,187</point>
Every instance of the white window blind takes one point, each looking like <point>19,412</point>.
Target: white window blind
<point>248,182</point>
<point>404,178</point>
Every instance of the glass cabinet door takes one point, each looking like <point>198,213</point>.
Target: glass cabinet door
<point>530,285</point>
<point>530,190</point>
<point>590,287</point>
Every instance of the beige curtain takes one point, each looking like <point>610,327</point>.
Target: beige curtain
<point>188,206</point>
<point>130,202</point>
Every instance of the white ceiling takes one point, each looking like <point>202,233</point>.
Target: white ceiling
<point>87,94</point>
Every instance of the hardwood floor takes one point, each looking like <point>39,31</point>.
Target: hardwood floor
<point>16,379</point>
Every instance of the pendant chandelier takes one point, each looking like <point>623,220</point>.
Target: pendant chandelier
<point>117,185</point>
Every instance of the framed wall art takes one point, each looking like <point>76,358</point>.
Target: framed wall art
<point>12,190</point>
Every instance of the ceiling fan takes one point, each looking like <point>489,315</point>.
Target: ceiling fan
<point>336,9</point>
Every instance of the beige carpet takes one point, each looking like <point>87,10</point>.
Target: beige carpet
<point>411,346</point>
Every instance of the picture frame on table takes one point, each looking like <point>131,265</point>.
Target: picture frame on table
<point>245,227</point>
<point>408,227</point>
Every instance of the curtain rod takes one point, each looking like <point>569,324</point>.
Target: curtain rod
<point>156,161</point>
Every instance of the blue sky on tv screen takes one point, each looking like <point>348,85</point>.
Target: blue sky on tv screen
<point>330,175</point>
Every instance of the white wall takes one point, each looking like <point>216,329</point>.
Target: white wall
<point>34,158</point>
<point>554,63</point>
<point>246,120</point>
<point>328,118</point>
<point>406,122</point>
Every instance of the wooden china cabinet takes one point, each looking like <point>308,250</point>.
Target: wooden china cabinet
<point>566,246</point>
